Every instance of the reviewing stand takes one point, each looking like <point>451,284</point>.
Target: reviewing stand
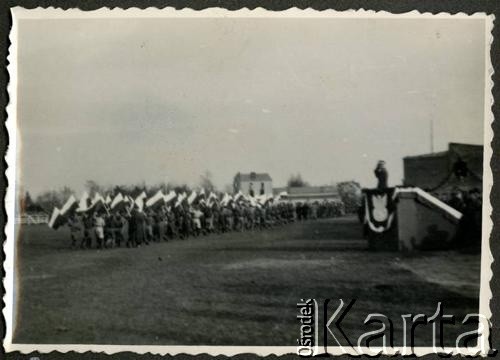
<point>408,219</point>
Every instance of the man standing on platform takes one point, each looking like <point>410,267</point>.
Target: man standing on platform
<point>381,175</point>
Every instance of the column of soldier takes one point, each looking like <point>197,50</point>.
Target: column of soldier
<point>121,220</point>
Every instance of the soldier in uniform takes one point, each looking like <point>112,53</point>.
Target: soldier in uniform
<point>247,214</point>
<point>117,224</point>
<point>99,224</point>
<point>88,224</point>
<point>172,224</point>
<point>238,215</point>
<point>227,213</point>
<point>218,219</point>
<point>381,175</point>
<point>140,229</point>
<point>74,229</point>
<point>109,234</point>
<point>197,215</point>
<point>181,222</point>
<point>150,223</point>
<point>314,210</point>
<point>162,225</point>
<point>131,228</point>
<point>209,219</point>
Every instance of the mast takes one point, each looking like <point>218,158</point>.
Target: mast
<point>432,134</point>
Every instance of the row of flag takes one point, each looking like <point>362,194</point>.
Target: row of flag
<point>122,202</point>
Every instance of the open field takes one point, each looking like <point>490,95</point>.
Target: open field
<point>230,289</point>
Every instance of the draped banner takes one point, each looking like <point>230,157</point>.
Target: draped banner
<point>379,208</point>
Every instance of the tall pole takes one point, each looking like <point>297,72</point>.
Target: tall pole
<point>432,134</point>
<point>432,115</point>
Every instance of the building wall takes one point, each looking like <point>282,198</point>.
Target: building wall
<point>433,170</point>
<point>256,185</point>
<point>471,154</point>
<point>426,172</point>
<point>421,227</point>
<point>313,198</point>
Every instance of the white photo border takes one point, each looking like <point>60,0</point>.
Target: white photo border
<point>19,13</point>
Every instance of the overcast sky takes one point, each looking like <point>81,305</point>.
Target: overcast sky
<point>122,101</point>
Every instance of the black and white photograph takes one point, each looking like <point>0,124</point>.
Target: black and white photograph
<point>248,181</point>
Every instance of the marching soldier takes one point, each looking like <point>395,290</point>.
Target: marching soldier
<point>74,229</point>
<point>99,224</point>
<point>87,232</point>
<point>117,226</point>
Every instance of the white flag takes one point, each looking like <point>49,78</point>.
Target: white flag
<point>69,206</point>
<point>192,197</point>
<point>159,196</point>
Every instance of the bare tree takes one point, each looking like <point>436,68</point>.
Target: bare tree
<point>206,181</point>
<point>297,181</point>
<point>92,187</point>
<point>350,193</point>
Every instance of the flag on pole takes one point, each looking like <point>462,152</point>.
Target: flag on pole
<point>129,203</point>
<point>98,203</point>
<point>56,219</point>
<point>170,197</point>
<point>69,206</point>
<point>212,199</point>
<point>212,196</point>
<point>156,200</point>
<point>253,202</point>
<point>116,201</point>
<point>192,197</point>
<point>139,201</point>
<point>226,200</point>
<point>84,203</point>
<point>202,194</point>
<point>238,196</point>
<point>119,203</point>
<point>180,199</point>
<point>60,216</point>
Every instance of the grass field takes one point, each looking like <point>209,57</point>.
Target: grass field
<point>230,289</point>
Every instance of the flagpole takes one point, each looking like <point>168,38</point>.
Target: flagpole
<point>432,134</point>
<point>432,115</point>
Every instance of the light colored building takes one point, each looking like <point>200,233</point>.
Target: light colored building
<point>253,184</point>
<point>309,193</point>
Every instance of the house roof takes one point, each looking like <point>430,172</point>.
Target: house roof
<point>313,190</point>
<point>463,150</point>
<point>255,177</point>
<point>426,156</point>
<point>466,150</point>
<point>427,175</point>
